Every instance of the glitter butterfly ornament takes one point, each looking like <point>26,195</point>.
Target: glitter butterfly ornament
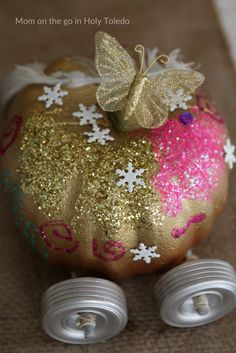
<point>141,100</point>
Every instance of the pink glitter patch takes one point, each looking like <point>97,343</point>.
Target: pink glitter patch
<point>60,230</point>
<point>189,157</point>
<point>11,133</point>
<point>110,255</point>
<point>179,232</point>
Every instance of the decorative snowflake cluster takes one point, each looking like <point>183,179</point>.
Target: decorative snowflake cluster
<point>130,177</point>
<point>229,150</point>
<point>89,116</point>
<point>177,99</point>
<point>142,252</point>
<point>52,95</point>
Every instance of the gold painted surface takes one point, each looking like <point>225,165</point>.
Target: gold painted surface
<point>74,181</point>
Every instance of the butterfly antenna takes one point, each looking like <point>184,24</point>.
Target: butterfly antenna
<point>164,59</point>
<point>141,50</point>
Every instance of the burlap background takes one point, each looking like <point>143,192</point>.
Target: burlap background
<point>190,25</point>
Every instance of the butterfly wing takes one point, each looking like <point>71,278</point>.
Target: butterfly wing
<point>161,92</point>
<point>117,71</point>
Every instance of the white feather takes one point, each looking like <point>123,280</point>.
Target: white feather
<point>175,61</point>
<point>22,76</point>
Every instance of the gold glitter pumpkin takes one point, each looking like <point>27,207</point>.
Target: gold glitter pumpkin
<point>118,203</point>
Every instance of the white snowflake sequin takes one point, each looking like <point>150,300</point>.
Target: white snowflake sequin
<point>99,135</point>
<point>229,153</point>
<point>177,99</point>
<point>52,95</point>
<point>145,253</point>
<point>87,115</point>
<point>130,177</point>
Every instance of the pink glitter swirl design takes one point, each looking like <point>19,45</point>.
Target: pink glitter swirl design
<point>179,232</point>
<point>59,230</point>
<point>190,159</point>
<point>11,133</point>
<point>113,250</point>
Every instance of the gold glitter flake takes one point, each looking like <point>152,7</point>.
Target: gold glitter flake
<point>67,176</point>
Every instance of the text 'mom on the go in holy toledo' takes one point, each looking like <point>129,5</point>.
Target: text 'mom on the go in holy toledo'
<point>73,21</point>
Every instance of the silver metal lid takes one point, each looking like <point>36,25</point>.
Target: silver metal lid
<point>84,310</point>
<point>196,293</point>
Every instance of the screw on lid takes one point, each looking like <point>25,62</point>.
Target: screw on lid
<point>84,310</point>
<point>196,293</point>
